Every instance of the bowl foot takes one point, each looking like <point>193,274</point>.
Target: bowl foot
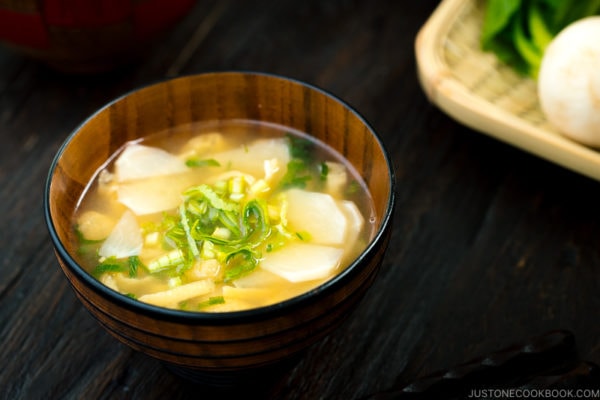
<point>253,379</point>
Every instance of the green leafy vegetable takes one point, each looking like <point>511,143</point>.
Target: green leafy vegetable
<point>195,162</point>
<point>296,175</point>
<point>171,260</point>
<point>518,31</point>
<point>298,172</point>
<point>301,148</point>
<point>239,263</point>
<point>134,263</point>
<point>324,171</point>
<point>112,264</point>
<point>209,225</point>
<point>212,301</point>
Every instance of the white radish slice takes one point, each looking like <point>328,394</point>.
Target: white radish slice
<point>318,214</point>
<point>299,262</point>
<point>259,278</point>
<point>138,161</point>
<point>251,158</point>
<point>148,196</point>
<point>355,220</point>
<point>125,240</point>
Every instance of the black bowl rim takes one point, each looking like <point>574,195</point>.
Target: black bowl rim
<point>230,317</point>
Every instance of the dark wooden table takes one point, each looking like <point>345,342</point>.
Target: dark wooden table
<point>490,245</point>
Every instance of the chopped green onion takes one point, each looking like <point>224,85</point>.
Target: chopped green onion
<point>134,263</point>
<point>195,162</point>
<point>324,171</point>
<point>170,260</point>
<point>111,264</point>
<point>212,301</point>
<point>296,175</point>
<point>190,240</point>
<point>300,148</point>
<point>239,263</point>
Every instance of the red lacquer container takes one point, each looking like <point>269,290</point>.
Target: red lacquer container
<point>86,35</point>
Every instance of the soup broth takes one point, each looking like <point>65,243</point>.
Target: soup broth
<point>222,216</point>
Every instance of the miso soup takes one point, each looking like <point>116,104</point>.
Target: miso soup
<point>222,216</point>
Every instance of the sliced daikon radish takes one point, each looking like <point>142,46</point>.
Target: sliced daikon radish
<point>148,196</point>
<point>251,158</point>
<point>259,278</point>
<point>318,214</point>
<point>203,144</point>
<point>298,262</point>
<point>172,297</point>
<point>138,161</point>
<point>355,220</point>
<point>124,240</point>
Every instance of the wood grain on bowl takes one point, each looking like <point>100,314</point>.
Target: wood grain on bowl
<point>231,340</point>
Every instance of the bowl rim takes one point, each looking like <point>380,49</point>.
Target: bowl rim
<point>227,317</point>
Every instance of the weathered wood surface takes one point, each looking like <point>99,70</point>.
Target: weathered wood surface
<point>490,244</point>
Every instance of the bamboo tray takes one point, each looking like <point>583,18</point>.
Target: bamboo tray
<point>477,90</point>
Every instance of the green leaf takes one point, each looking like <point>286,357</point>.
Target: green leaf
<point>518,31</point>
<point>134,263</point>
<point>528,51</point>
<point>239,263</point>
<point>212,301</point>
<point>110,264</point>
<point>230,220</point>
<point>567,12</point>
<point>539,30</point>
<point>192,245</point>
<point>255,221</point>
<point>171,260</point>
<point>296,175</point>
<point>195,162</point>
<point>212,197</point>
<point>323,171</point>
<point>300,147</point>
<point>497,17</point>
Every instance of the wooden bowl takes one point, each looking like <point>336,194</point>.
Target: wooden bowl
<point>197,343</point>
<point>86,36</point>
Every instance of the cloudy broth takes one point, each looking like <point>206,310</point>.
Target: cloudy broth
<point>222,216</point>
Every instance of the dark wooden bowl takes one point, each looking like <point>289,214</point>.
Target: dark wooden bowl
<point>233,341</point>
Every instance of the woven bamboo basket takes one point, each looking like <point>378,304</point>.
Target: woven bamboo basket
<point>479,91</point>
